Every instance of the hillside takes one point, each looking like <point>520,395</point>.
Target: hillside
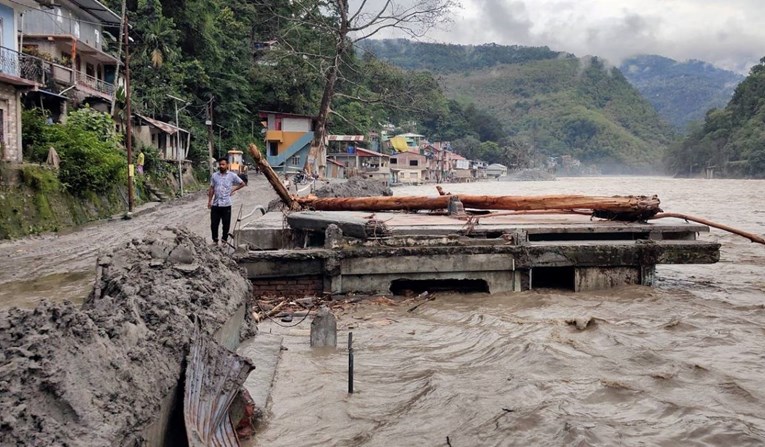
<point>556,102</point>
<point>682,92</point>
<point>731,139</point>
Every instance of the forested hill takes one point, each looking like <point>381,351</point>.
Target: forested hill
<point>444,57</point>
<point>682,92</point>
<point>731,139</point>
<point>555,102</point>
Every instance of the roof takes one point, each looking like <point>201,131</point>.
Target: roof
<point>411,135</point>
<point>345,137</point>
<point>497,166</point>
<point>367,153</point>
<point>99,11</point>
<point>265,113</point>
<point>336,163</point>
<point>164,127</point>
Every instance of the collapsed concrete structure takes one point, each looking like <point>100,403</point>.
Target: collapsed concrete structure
<point>110,373</point>
<point>341,252</point>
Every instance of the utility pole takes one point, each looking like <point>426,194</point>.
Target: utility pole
<point>178,145</point>
<point>210,135</point>
<point>128,117</point>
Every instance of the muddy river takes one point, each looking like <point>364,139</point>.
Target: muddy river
<point>679,364</point>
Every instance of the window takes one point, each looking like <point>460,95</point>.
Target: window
<point>59,15</point>
<point>295,161</point>
<point>77,29</point>
<point>414,162</point>
<point>90,70</point>
<point>393,161</point>
<point>273,148</point>
<point>98,37</point>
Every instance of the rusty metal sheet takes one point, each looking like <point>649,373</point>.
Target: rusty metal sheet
<point>214,376</point>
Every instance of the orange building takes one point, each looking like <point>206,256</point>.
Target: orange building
<point>288,139</point>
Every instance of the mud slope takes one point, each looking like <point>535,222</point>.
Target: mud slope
<point>95,376</point>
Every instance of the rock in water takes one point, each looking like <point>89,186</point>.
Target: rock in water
<point>324,329</point>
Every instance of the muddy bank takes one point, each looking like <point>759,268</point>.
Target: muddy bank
<point>528,175</point>
<point>97,375</point>
<point>355,187</point>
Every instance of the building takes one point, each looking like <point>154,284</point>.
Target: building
<point>65,54</point>
<point>496,170</point>
<point>171,142</point>
<point>408,168</point>
<point>288,140</point>
<point>360,162</point>
<point>335,169</point>
<point>12,83</point>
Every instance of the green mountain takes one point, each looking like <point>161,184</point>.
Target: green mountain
<point>682,92</point>
<point>732,139</point>
<point>555,102</point>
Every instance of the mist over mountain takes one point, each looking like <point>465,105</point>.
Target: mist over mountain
<point>682,92</point>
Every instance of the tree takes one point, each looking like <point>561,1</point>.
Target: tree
<point>346,26</point>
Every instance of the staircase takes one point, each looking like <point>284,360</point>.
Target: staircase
<point>298,145</point>
<point>156,193</point>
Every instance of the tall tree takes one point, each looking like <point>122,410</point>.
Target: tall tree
<point>347,25</point>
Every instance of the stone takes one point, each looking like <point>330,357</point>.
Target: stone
<point>324,329</point>
<point>333,237</point>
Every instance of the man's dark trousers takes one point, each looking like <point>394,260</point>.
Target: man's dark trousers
<point>218,214</point>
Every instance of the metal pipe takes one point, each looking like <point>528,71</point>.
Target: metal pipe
<point>350,362</point>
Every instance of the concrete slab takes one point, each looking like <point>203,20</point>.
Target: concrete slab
<point>264,350</point>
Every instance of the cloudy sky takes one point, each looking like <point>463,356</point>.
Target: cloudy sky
<point>727,33</point>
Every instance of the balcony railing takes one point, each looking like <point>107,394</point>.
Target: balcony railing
<point>48,74</point>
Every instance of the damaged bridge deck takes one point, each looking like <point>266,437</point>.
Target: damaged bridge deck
<point>378,253</point>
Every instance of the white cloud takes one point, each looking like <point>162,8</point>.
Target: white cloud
<point>727,33</point>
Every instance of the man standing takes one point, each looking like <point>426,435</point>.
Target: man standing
<point>222,185</point>
<point>140,162</point>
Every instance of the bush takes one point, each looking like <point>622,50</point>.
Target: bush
<point>91,155</point>
<point>33,135</point>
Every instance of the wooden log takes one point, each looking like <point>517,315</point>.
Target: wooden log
<point>374,203</point>
<point>271,176</point>
<point>618,207</point>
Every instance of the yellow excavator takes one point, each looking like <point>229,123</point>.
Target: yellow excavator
<point>236,164</point>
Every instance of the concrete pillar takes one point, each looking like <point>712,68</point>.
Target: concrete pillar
<point>324,329</point>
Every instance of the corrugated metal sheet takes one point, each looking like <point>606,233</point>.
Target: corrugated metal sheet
<point>164,127</point>
<point>345,138</point>
<point>214,376</point>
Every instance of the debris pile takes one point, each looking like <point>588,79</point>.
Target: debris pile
<point>97,375</point>
<point>355,187</point>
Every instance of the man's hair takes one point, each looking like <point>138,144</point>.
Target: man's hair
<point>223,159</point>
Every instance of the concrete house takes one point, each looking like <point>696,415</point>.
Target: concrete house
<point>65,54</point>
<point>360,162</point>
<point>408,168</point>
<point>12,83</point>
<point>288,140</point>
<point>171,142</point>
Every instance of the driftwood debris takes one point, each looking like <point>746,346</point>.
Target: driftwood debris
<point>751,236</point>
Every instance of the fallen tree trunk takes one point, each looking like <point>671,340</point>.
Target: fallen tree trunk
<point>618,207</point>
<point>271,176</point>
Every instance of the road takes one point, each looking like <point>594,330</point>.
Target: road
<point>61,266</point>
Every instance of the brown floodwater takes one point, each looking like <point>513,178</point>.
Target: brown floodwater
<point>682,363</point>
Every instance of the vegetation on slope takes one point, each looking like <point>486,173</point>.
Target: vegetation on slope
<point>682,92</point>
<point>731,139</point>
<point>554,102</point>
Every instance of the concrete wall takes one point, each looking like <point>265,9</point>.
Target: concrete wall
<point>10,104</point>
